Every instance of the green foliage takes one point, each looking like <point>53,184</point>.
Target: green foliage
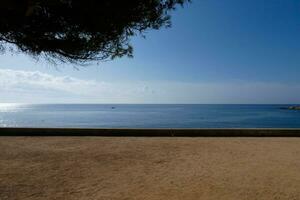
<point>79,31</point>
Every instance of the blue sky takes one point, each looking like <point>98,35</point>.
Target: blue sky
<point>216,52</point>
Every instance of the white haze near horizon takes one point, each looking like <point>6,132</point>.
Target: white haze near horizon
<point>18,86</point>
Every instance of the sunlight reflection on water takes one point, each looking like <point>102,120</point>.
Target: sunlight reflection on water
<point>3,124</point>
<point>10,107</point>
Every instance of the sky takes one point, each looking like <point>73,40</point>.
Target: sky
<point>219,52</point>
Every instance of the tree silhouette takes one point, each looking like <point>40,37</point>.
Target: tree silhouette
<point>79,31</point>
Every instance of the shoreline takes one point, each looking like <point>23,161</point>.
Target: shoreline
<point>153,132</point>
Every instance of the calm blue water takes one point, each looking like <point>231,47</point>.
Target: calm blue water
<point>147,116</point>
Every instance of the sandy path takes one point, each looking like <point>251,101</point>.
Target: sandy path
<point>71,168</point>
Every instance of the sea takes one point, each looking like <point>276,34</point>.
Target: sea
<point>148,116</point>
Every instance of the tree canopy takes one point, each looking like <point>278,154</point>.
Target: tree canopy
<point>80,31</point>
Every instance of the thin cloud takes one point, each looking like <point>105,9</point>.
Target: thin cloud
<point>36,87</point>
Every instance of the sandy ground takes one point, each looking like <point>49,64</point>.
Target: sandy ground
<point>92,168</point>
